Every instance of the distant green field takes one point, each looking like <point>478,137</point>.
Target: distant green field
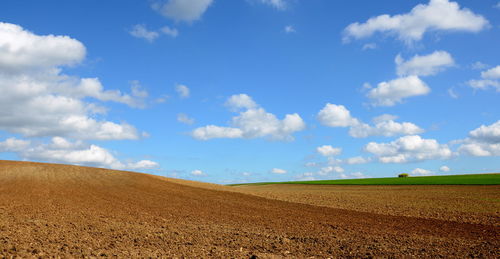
<point>468,179</point>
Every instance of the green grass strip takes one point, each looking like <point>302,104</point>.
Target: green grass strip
<point>468,179</point>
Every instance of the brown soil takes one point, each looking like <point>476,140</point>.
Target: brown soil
<point>69,211</point>
<point>478,204</point>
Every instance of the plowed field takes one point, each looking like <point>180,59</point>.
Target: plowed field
<point>70,211</point>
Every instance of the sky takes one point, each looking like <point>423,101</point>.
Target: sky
<point>230,91</point>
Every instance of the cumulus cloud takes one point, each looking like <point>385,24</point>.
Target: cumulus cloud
<point>278,4</point>
<point>339,116</point>
<point>444,168</point>
<point>424,65</point>
<point>407,149</point>
<point>252,122</point>
<point>213,131</point>
<point>140,31</point>
<point>198,173</point>
<point>327,150</point>
<point>172,32</point>
<point>307,176</point>
<point>333,115</point>
<point>184,118</point>
<point>21,50</point>
<point>489,79</point>
<point>357,160</point>
<point>493,73</point>
<point>278,171</point>
<point>358,175</point>
<point>482,141</point>
<point>328,172</point>
<point>240,101</point>
<point>437,15</point>
<point>421,172</point>
<point>183,91</point>
<point>38,100</point>
<point>452,93</point>
<point>182,10</point>
<point>386,128</point>
<point>479,65</point>
<point>61,150</point>
<point>485,84</point>
<point>14,145</point>
<point>384,117</point>
<point>289,29</point>
<point>369,46</point>
<point>490,133</point>
<point>395,91</point>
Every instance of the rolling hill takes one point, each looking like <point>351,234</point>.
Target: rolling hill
<point>72,211</point>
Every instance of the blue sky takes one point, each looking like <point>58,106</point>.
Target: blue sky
<point>253,90</point>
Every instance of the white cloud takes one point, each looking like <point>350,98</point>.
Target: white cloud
<point>140,31</point>
<point>278,4</point>
<point>182,10</point>
<point>387,128</point>
<point>437,15</point>
<point>253,122</point>
<point>452,93</point>
<point>424,65</point>
<point>483,141</point>
<point>328,150</point>
<point>92,87</point>
<point>339,116</point>
<point>37,100</point>
<point>61,150</point>
<point>358,175</point>
<point>182,90</point>
<point>184,118</point>
<point>21,50</point>
<point>485,84</point>
<point>384,117</point>
<point>480,149</point>
<point>369,46</point>
<point>14,145</point>
<point>444,168</point>
<point>493,73</point>
<point>421,172</point>
<point>212,131</point>
<point>307,176</point>
<point>479,65</point>
<point>392,92</point>
<point>497,6</point>
<point>357,160</point>
<point>490,79</point>
<point>141,165</point>
<point>289,29</point>
<point>336,116</point>
<point>311,164</point>
<point>172,32</point>
<point>198,173</point>
<point>489,134</point>
<point>407,149</point>
<point>278,171</point>
<point>258,123</point>
<point>329,170</point>
<point>240,101</point>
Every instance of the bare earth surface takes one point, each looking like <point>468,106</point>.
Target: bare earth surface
<point>69,211</point>
<point>468,204</point>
